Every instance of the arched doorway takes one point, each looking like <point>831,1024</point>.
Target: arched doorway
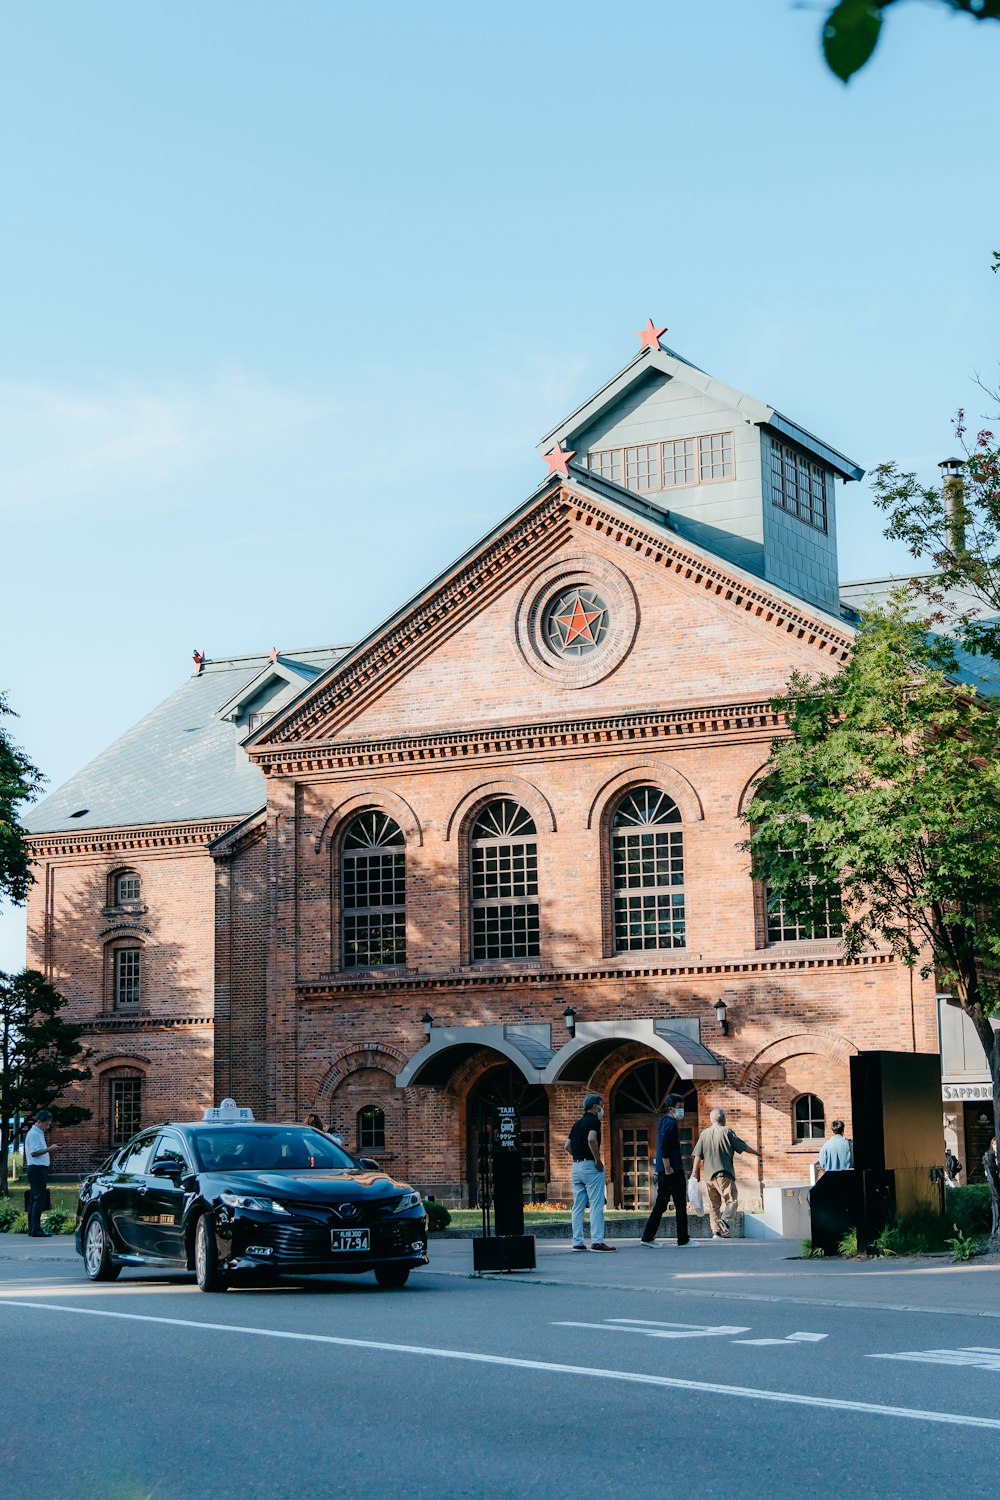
<point>505,1085</point>
<point>635,1109</point>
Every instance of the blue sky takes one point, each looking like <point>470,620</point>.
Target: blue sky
<point>289,293</point>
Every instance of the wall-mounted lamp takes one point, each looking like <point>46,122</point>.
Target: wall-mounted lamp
<point>721,1015</point>
<point>427,1021</point>
<point>569,1017</point>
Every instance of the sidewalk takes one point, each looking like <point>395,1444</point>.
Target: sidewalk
<point>730,1270</point>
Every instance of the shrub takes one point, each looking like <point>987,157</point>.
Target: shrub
<point>849,1244</point>
<point>8,1213</point>
<point>438,1216</point>
<point>810,1251</point>
<point>968,1209</point>
<point>57,1221</point>
<point>887,1242</point>
<point>19,1224</point>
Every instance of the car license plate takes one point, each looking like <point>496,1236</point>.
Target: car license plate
<point>348,1239</point>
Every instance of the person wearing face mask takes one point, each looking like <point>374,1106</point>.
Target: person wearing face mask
<point>670,1180</point>
<point>584,1145</point>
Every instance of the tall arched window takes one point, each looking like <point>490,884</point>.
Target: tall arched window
<point>647,871</point>
<point>373,892</point>
<point>810,1118</point>
<point>503,859</point>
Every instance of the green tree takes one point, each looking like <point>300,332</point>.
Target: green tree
<point>884,797</point>
<point>852,30</point>
<point>20,782</point>
<point>955,528</point>
<point>40,1055</point>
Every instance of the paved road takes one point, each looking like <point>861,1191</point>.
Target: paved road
<point>743,1373</point>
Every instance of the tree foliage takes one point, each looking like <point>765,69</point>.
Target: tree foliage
<point>20,782</point>
<point>41,1055</point>
<point>852,29</point>
<point>956,528</point>
<point>886,794</point>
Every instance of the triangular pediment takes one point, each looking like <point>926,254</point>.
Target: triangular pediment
<point>684,628</point>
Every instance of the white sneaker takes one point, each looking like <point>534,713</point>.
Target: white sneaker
<point>651,1244</point>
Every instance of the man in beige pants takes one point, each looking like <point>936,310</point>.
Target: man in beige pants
<point>713,1164</point>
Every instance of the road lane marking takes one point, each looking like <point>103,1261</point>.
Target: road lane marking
<point>793,1338</point>
<point>655,1330</point>
<point>975,1357</point>
<point>546,1367</point>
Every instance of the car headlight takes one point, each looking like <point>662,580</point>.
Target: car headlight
<point>408,1200</point>
<point>246,1200</point>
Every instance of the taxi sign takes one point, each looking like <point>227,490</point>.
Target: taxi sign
<point>228,1113</point>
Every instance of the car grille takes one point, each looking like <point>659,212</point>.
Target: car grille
<point>312,1241</point>
<point>369,1212</point>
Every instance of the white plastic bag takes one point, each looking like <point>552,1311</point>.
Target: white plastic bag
<point>695,1200</point>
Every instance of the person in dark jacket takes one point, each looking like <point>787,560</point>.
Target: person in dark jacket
<point>992,1169</point>
<point>670,1179</point>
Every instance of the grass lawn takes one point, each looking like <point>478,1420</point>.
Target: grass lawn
<point>63,1194</point>
<point>470,1218</point>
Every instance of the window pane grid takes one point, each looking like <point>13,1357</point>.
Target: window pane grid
<point>678,463</point>
<point>810,1118</point>
<point>371,1129</point>
<point>125,1109</point>
<point>826,919</point>
<point>645,859</point>
<point>716,456</point>
<point>505,931</point>
<point>798,486</point>
<point>373,893</point>
<point>652,920</point>
<point>127,888</point>
<point>668,465</point>
<point>128,974</point>
<point>374,939</point>
<point>642,467</point>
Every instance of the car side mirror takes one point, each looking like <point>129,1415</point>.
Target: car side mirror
<point>370,1164</point>
<point>172,1169</point>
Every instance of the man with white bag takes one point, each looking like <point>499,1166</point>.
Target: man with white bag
<point>713,1163</point>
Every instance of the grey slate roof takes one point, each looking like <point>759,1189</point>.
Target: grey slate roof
<point>182,762</point>
<point>980,672</point>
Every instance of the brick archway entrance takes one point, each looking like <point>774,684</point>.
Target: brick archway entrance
<point>505,1085</point>
<point>634,1111</point>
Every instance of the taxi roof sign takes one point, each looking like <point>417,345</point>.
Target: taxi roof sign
<point>228,1113</point>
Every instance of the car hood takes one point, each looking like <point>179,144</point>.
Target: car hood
<point>309,1187</point>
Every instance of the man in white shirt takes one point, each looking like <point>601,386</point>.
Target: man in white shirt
<point>36,1162</point>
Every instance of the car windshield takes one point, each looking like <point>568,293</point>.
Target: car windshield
<point>281,1149</point>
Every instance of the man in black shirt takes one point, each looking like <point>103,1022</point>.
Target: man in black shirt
<point>584,1145</point>
<point>670,1179</point>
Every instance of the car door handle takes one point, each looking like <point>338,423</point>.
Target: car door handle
<point>141,1188</point>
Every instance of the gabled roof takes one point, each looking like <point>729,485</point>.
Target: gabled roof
<point>650,363</point>
<point>281,670</point>
<point>587,485</point>
<point>180,763</point>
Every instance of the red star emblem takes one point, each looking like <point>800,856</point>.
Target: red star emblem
<point>649,337</point>
<point>558,459</point>
<point>578,623</point>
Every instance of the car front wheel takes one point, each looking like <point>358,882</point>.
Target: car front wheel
<point>97,1260</point>
<point>392,1277</point>
<point>206,1257</point>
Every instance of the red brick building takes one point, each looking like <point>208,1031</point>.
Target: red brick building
<point>491,851</point>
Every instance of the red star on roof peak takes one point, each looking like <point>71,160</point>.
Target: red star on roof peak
<point>649,337</point>
<point>273,653</point>
<point>558,460</point>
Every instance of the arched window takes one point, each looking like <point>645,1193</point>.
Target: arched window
<point>647,871</point>
<point>373,892</point>
<point>810,1118</point>
<point>503,858</point>
<point>371,1128</point>
<point>126,887</point>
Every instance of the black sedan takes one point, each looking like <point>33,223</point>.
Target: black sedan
<point>219,1199</point>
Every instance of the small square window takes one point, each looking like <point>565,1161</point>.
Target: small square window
<point>127,888</point>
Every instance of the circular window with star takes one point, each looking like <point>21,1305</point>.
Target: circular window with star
<point>577,621</point>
